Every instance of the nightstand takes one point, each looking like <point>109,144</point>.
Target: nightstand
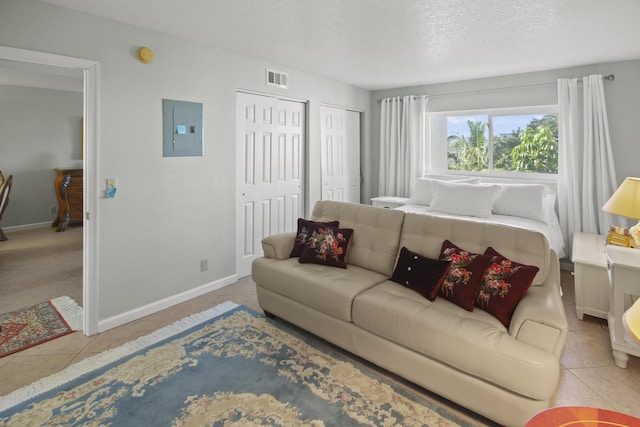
<point>389,202</point>
<point>624,273</point>
<point>590,275</point>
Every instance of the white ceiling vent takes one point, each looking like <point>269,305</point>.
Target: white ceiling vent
<point>277,78</point>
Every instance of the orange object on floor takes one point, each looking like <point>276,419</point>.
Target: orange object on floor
<point>581,416</point>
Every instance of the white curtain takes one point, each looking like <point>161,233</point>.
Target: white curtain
<point>586,172</point>
<point>402,142</point>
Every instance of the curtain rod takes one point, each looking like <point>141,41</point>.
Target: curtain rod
<point>608,77</point>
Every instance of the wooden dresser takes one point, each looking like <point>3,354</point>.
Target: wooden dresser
<point>68,186</point>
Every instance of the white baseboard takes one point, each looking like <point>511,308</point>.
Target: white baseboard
<point>154,307</point>
<point>27,226</point>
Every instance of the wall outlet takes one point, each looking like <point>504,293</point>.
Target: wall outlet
<point>204,265</point>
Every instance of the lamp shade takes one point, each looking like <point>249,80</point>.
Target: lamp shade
<point>631,320</point>
<point>626,200</point>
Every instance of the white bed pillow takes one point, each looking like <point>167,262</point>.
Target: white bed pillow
<point>461,198</point>
<point>422,191</point>
<point>524,200</point>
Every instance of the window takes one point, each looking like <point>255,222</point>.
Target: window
<point>501,141</point>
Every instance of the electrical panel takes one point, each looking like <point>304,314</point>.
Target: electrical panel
<point>181,128</point>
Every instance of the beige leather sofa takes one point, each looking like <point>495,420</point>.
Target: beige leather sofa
<point>506,375</point>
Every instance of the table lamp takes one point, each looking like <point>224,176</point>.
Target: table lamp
<point>631,320</point>
<point>626,202</point>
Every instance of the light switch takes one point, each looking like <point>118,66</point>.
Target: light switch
<point>112,187</point>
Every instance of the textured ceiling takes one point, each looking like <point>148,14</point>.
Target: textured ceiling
<point>377,44</point>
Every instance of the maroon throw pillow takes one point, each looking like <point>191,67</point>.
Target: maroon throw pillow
<point>423,275</point>
<point>305,228</point>
<point>503,285</point>
<point>327,246</point>
<point>465,275</point>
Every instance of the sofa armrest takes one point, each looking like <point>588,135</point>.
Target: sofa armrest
<point>278,246</point>
<point>540,319</point>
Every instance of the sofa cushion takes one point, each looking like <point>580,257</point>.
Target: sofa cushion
<point>473,342</point>
<point>327,246</point>
<point>425,233</point>
<point>423,275</point>
<point>461,284</point>
<point>503,285</point>
<point>328,290</point>
<point>376,233</point>
<point>305,228</point>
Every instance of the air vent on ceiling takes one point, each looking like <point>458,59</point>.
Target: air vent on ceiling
<point>277,78</point>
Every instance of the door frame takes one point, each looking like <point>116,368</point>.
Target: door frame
<point>91,75</point>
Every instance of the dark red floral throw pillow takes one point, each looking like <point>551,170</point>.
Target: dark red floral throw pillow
<point>327,246</point>
<point>305,228</point>
<point>465,275</point>
<point>423,275</point>
<point>503,285</point>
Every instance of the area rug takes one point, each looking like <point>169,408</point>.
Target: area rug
<point>233,368</point>
<point>30,326</point>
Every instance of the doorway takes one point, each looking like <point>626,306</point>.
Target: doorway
<point>340,154</point>
<point>89,70</point>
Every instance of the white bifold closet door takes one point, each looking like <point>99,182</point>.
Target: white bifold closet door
<point>340,154</point>
<point>270,144</point>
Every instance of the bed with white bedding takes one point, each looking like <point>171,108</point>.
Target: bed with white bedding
<point>530,206</point>
<point>551,231</point>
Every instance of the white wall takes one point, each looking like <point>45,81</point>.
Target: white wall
<point>169,212</point>
<point>621,97</point>
<point>40,130</point>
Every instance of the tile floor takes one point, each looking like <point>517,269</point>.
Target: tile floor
<point>40,264</point>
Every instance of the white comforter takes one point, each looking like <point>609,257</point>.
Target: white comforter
<point>551,230</point>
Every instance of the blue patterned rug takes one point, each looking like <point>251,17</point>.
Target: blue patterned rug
<point>229,366</point>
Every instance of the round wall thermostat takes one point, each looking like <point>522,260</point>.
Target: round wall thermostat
<point>145,55</point>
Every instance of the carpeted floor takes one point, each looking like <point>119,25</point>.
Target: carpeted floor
<point>234,367</point>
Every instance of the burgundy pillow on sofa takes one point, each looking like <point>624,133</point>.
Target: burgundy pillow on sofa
<point>503,285</point>
<point>305,228</point>
<point>465,275</point>
<point>327,246</point>
<point>423,275</point>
